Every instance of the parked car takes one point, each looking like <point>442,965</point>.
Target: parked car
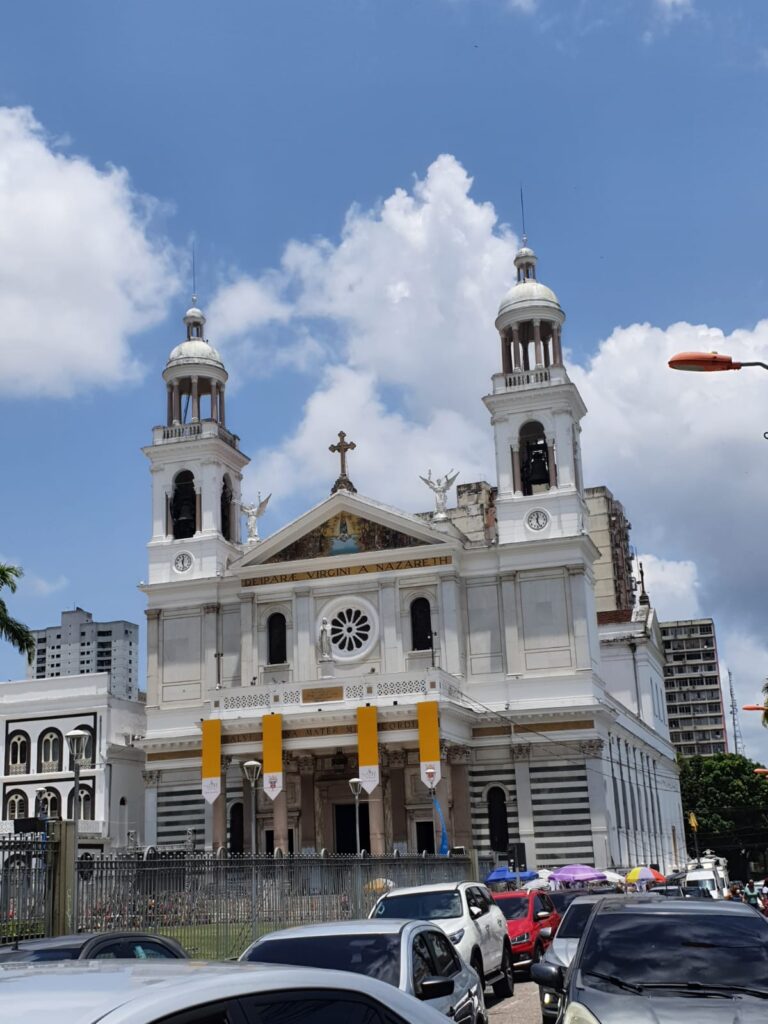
<point>189,992</point>
<point>657,959</point>
<point>465,911</point>
<point>94,946</point>
<point>562,898</point>
<point>565,941</point>
<point>414,956</point>
<point>527,913</point>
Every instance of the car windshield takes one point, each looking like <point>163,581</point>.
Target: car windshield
<point>377,956</point>
<point>572,924</point>
<point>514,908</point>
<point>421,906</point>
<point>679,948</point>
<point>562,899</point>
<point>703,883</point>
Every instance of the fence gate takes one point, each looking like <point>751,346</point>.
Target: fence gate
<point>26,884</point>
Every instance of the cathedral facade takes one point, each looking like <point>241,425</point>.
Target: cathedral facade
<point>452,661</point>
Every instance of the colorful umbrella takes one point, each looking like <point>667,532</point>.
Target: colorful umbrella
<point>577,873</point>
<point>643,874</point>
<point>613,876</point>
<point>503,874</point>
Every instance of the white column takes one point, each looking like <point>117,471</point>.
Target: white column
<point>524,804</point>
<point>153,655</point>
<point>151,780</point>
<point>391,654</point>
<point>159,498</point>
<point>450,651</point>
<point>597,780</point>
<point>303,640</point>
<point>577,583</point>
<point>247,639</point>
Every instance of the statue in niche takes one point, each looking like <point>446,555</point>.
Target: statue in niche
<point>440,487</point>
<point>325,651</point>
<point>253,513</point>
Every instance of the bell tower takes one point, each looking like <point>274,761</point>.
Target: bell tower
<point>535,413</point>
<point>196,465</point>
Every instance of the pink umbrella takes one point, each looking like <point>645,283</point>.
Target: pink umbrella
<point>577,873</point>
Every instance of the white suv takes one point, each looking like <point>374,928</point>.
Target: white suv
<point>469,917</point>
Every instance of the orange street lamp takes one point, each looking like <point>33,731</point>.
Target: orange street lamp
<point>754,707</point>
<point>707,362</point>
<point>760,771</point>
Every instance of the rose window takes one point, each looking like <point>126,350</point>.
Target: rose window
<point>350,630</point>
<point>354,627</point>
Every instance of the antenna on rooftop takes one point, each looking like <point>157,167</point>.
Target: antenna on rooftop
<point>522,211</point>
<point>738,739</point>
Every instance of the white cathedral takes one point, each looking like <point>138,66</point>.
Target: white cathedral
<point>553,740</point>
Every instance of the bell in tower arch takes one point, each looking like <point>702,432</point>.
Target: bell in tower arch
<point>538,467</point>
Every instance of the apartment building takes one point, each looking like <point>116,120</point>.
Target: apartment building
<point>692,684</point>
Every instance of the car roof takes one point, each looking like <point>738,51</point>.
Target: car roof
<point>664,905</point>
<point>373,926</point>
<point>81,992</point>
<point>432,887</point>
<point>515,894</point>
<point>74,941</point>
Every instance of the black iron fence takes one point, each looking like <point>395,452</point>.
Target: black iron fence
<point>27,865</point>
<point>215,906</point>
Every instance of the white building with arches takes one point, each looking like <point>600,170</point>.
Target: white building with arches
<point>37,778</point>
<point>553,741</point>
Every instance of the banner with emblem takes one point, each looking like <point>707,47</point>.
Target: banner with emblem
<point>368,748</point>
<point>272,732</point>
<point>211,759</point>
<point>429,742</point>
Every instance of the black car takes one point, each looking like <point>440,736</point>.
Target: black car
<point>665,961</point>
<point>94,946</point>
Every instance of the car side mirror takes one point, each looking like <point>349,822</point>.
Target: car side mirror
<point>548,975</point>
<point>545,933</point>
<point>475,911</point>
<point>435,988</point>
<point>542,914</point>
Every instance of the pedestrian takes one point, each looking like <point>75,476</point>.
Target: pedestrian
<point>735,895</point>
<point>751,895</point>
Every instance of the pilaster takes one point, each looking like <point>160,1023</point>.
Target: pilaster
<point>248,640</point>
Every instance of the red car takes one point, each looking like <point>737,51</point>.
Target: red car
<point>527,913</point>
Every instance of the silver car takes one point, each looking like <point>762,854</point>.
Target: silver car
<point>414,956</point>
<point>190,992</point>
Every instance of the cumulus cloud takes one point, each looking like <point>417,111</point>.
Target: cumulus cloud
<point>402,307</point>
<point>80,272</point>
<point>674,10</point>
<point>38,586</point>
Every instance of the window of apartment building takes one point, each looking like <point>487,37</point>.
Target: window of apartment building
<point>103,632</point>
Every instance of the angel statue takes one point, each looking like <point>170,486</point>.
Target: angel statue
<point>440,486</point>
<point>253,513</point>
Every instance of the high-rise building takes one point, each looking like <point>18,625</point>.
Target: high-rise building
<point>692,684</point>
<point>79,646</point>
<point>609,529</point>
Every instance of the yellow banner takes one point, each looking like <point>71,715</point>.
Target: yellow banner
<point>367,737</point>
<point>211,759</point>
<point>272,732</point>
<point>429,731</point>
<point>693,822</point>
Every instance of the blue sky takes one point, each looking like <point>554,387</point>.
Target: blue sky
<point>277,135</point>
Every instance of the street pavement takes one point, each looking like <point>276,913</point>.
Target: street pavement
<point>522,1008</point>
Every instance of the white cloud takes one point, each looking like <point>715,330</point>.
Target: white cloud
<point>79,270</point>
<point>526,6</point>
<point>41,587</point>
<point>672,587</point>
<point>402,308</point>
<point>674,9</point>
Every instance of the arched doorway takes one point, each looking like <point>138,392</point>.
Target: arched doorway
<point>236,828</point>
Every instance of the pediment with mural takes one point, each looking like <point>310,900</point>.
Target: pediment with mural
<point>345,534</point>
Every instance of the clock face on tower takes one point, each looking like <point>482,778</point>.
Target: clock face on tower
<point>182,562</point>
<point>537,519</point>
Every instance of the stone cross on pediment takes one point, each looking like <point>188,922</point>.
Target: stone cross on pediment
<point>343,483</point>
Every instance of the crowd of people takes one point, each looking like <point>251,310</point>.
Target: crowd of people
<point>753,893</point>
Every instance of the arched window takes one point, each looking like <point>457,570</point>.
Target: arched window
<point>421,625</point>
<point>18,754</point>
<point>84,804</point>
<point>497,819</point>
<point>226,509</point>
<point>50,805</point>
<point>86,761</point>
<point>534,459</point>
<point>49,751</point>
<point>184,506</point>
<point>276,649</point>
<point>15,806</point>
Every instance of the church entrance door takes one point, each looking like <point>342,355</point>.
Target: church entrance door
<point>236,828</point>
<point>344,815</point>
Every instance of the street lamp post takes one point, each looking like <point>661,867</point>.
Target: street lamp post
<point>430,773</point>
<point>76,740</point>
<point>708,362</point>
<point>252,771</point>
<point>356,786</point>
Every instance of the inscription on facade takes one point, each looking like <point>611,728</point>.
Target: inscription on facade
<point>321,694</point>
<point>348,570</point>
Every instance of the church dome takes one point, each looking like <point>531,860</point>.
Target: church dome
<point>197,350</point>
<point>530,292</point>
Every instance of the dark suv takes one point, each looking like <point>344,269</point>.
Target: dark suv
<point>665,960</point>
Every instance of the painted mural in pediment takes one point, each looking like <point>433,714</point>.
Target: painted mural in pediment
<point>345,534</point>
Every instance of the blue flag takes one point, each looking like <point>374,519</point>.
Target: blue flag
<point>443,851</point>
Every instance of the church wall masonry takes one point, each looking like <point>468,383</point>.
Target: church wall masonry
<point>485,610</point>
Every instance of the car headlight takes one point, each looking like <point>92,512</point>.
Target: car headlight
<point>579,1014</point>
<point>457,936</point>
<point>525,937</point>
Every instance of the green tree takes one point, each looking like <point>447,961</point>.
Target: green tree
<point>730,803</point>
<point>11,629</point>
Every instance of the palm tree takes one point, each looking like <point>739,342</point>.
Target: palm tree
<point>14,632</point>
